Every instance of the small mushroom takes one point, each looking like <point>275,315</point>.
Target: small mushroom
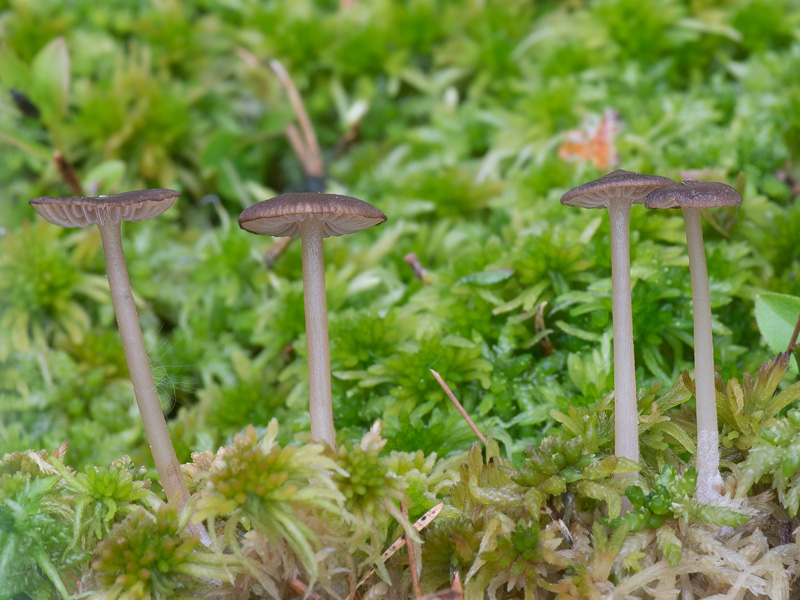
<point>693,196</point>
<point>617,191</point>
<point>108,212</point>
<point>313,217</point>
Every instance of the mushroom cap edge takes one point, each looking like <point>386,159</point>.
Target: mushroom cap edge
<point>281,216</point>
<point>692,193</point>
<point>134,206</point>
<point>616,184</point>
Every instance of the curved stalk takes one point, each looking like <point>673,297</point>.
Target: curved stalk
<point>626,416</point>
<point>709,480</point>
<point>144,387</point>
<point>316,308</point>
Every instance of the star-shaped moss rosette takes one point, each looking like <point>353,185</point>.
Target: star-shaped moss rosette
<point>266,486</point>
<point>153,556</point>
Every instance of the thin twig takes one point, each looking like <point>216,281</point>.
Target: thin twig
<point>412,260</point>
<point>460,408</point>
<point>347,139</point>
<point>420,524</point>
<point>303,142</point>
<point>412,560</point>
<point>249,59</point>
<point>275,250</point>
<point>297,144</point>
<point>67,172</point>
<point>547,345</point>
<point>301,588</point>
<point>314,165</point>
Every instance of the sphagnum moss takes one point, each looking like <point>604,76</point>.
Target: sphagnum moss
<point>152,557</point>
<point>266,486</point>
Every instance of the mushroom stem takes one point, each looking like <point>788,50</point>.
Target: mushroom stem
<point>144,387</point>
<point>626,416</point>
<point>709,480</point>
<point>319,361</point>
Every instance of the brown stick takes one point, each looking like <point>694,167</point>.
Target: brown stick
<point>460,408</point>
<point>301,588</point>
<point>313,166</point>
<point>420,524</point>
<point>275,250</point>
<point>412,560</point>
<point>297,144</point>
<point>412,260</point>
<point>305,146</point>
<point>303,142</point>
<point>547,345</point>
<point>67,172</point>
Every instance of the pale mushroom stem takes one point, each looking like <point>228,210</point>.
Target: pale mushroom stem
<point>626,416</point>
<point>709,480</point>
<point>144,387</point>
<point>316,307</point>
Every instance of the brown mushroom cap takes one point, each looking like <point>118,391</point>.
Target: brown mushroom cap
<point>694,194</point>
<point>617,184</point>
<point>128,206</point>
<point>281,216</point>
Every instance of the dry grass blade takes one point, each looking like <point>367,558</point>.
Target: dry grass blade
<point>412,260</point>
<point>299,147</point>
<point>412,561</point>
<point>421,523</point>
<point>313,159</point>
<point>460,408</point>
<point>67,172</point>
<point>275,250</point>
<point>547,345</point>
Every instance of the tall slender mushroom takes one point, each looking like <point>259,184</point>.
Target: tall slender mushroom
<point>618,191</point>
<point>693,196</point>
<point>108,212</point>
<point>313,217</point>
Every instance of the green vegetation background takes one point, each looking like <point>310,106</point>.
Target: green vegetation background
<point>448,116</point>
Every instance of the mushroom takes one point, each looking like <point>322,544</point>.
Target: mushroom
<point>617,191</point>
<point>108,212</point>
<point>313,217</point>
<point>693,196</point>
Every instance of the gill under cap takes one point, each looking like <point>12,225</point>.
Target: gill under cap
<point>281,216</point>
<point>615,185</point>
<point>128,206</point>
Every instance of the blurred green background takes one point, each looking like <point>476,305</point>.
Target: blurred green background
<point>464,121</point>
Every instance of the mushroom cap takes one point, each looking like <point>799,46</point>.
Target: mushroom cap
<point>617,184</point>
<point>694,194</point>
<point>128,206</point>
<point>281,216</point>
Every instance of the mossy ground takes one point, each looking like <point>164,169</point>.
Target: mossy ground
<point>464,122</point>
